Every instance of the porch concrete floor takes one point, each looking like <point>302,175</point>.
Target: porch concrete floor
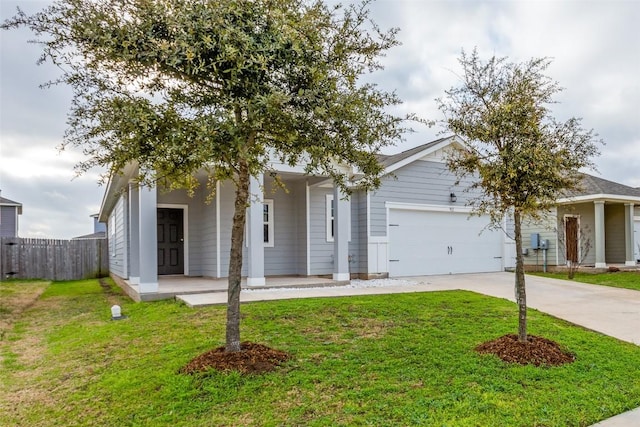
<point>170,286</point>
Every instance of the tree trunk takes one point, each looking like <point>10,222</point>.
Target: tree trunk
<point>235,261</point>
<point>521,295</point>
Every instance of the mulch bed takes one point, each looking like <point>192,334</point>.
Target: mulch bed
<point>252,359</point>
<point>536,351</point>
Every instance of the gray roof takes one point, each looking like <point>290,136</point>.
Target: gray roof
<point>386,160</point>
<point>592,185</point>
<point>97,235</point>
<point>7,202</point>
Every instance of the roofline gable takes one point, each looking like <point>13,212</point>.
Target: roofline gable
<point>428,149</point>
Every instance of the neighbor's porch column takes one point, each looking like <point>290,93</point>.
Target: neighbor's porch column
<point>599,234</point>
<point>148,226</point>
<point>628,234</point>
<point>340,235</point>
<point>255,234</point>
<point>134,234</point>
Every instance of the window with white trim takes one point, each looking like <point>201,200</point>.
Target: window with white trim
<point>267,223</point>
<point>330,226</point>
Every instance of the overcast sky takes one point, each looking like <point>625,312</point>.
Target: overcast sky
<point>595,47</point>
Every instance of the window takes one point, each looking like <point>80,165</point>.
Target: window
<point>330,218</point>
<point>267,223</point>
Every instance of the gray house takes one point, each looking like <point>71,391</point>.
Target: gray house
<point>604,212</point>
<point>416,223</point>
<point>9,211</point>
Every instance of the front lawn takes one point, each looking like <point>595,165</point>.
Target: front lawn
<point>619,279</point>
<point>404,359</point>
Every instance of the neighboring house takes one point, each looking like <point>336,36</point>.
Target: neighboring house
<point>604,212</point>
<point>9,211</point>
<point>416,223</point>
<point>99,230</point>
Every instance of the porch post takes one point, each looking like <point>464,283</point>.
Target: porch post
<point>599,234</point>
<point>255,234</point>
<point>628,234</point>
<point>340,235</point>
<point>148,253</point>
<point>134,234</point>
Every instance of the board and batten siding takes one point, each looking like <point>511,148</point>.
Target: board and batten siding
<point>8,221</point>
<point>420,182</point>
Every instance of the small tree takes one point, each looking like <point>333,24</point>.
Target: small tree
<point>179,86</point>
<point>522,157</point>
<point>575,242</point>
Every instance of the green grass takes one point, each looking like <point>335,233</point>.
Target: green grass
<point>377,360</point>
<point>619,279</point>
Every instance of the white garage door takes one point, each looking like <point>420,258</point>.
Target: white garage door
<point>423,242</point>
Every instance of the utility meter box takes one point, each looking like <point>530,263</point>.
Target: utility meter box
<point>544,244</point>
<point>535,240</point>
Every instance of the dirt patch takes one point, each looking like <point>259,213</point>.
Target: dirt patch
<point>252,359</point>
<point>536,351</point>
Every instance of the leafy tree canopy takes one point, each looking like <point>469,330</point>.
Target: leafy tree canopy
<point>522,158</point>
<point>177,85</point>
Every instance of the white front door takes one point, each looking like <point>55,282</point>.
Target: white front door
<point>425,242</point>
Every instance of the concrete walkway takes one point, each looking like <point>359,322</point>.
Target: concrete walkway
<point>611,311</point>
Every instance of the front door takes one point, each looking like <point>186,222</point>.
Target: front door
<point>571,238</point>
<point>170,241</point>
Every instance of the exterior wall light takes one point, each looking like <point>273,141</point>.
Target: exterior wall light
<point>453,197</point>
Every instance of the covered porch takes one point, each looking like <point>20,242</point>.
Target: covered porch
<point>171,286</point>
<point>607,222</point>
<point>285,242</point>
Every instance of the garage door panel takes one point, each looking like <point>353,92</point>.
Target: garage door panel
<point>423,242</point>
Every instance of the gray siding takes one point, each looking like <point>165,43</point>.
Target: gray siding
<point>8,219</point>
<point>321,250</point>
<point>359,231</point>
<point>282,258</point>
<point>227,198</point>
<point>208,242</point>
<point>420,182</point>
<point>546,227</point>
<point>118,243</point>
<point>614,251</point>
<point>300,211</point>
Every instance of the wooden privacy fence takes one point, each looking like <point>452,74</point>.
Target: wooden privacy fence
<point>53,259</point>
